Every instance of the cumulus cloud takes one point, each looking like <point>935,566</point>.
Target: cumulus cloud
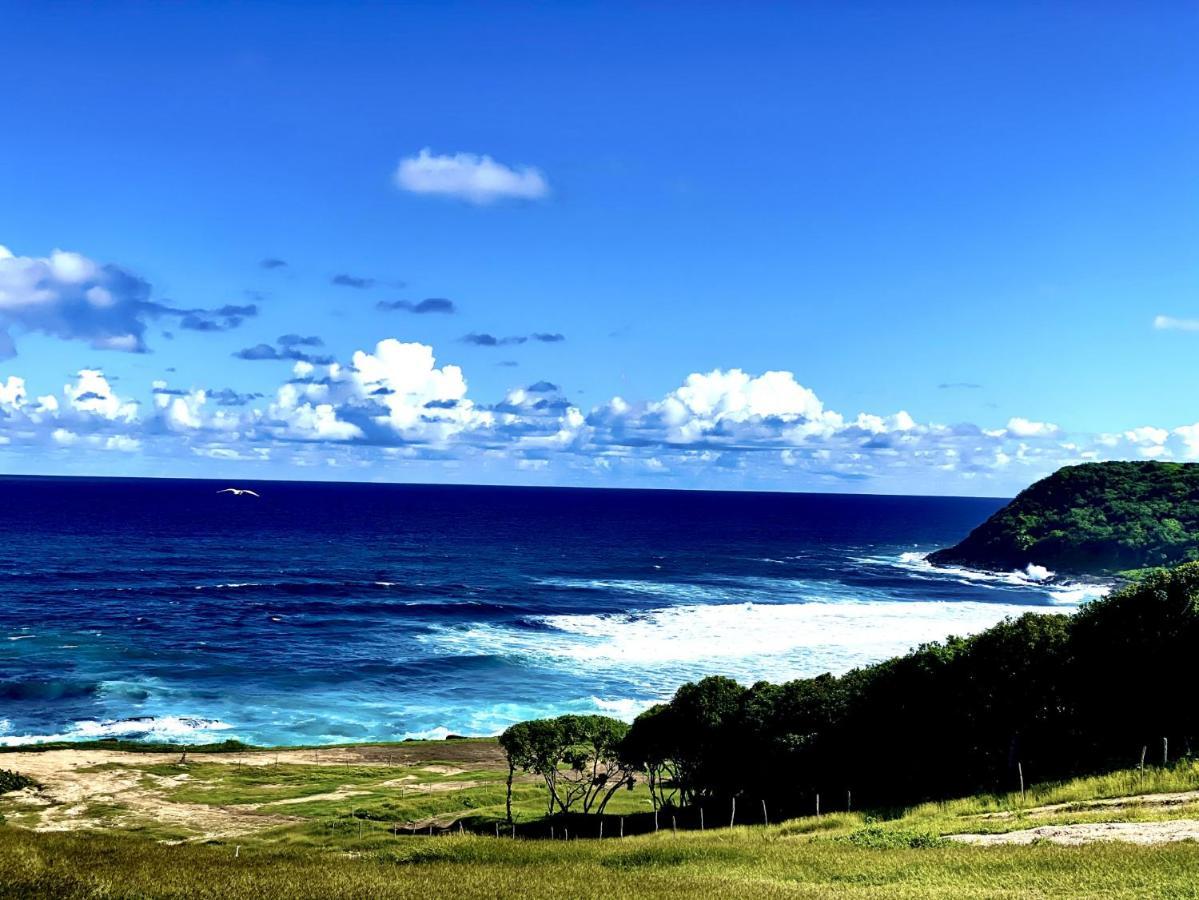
<point>1170,323</point>
<point>1024,428</point>
<point>467,176</point>
<point>422,307</point>
<point>396,403</point>
<point>68,296</point>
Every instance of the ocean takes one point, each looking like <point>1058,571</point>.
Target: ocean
<point>320,613</point>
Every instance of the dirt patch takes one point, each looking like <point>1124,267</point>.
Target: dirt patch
<point>1073,835</point>
<point>73,788</point>
<point>443,770</point>
<point>1177,798</point>
<point>89,787</point>
<point>339,794</point>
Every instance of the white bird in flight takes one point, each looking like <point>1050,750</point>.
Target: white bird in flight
<point>237,492</point>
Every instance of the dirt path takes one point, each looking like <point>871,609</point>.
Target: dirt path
<point>1073,835</point>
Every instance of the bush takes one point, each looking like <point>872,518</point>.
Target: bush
<point>15,781</point>
<point>878,837</point>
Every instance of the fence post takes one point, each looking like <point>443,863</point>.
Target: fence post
<point>701,818</point>
<point>733,815</point>
<point>1020,770</point>
<point>818,806</point>
<point>601,829</point>
<point>1144,750</point>
<point>674,825</point>
<point>1165,751</point>
<point>849,801</point>
<point>622,826</point>
<point>765,817</point>
<point>655,820</point>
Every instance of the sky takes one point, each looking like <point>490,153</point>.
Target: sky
<point>892,248</point>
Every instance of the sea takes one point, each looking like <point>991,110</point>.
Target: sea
<point>318,613</point>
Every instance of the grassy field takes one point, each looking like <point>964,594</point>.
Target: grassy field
<point>339,822</point>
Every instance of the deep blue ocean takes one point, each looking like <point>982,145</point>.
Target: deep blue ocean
<point>337,612</point>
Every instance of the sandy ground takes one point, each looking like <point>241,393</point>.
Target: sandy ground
<point>1168,799</point>
<point>72,787</point>
<point>1130,832</point>
<point>69,790</point>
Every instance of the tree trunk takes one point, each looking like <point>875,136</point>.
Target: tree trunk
<point>511,770</point>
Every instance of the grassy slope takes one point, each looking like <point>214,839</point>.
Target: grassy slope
<point>346,847</point>
<point>764,862</point>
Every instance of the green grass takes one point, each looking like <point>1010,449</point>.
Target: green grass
<point>759,862</point>
<point>349,846</point>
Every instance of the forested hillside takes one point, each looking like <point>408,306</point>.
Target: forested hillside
<point>1097,518</point>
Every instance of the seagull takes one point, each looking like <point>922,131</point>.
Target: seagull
<point>237,492</point>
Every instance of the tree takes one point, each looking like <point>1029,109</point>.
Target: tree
<point>578,758</point>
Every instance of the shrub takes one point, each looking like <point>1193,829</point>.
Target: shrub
<point>15,781</point>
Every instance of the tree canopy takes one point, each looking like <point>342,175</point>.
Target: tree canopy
<point>1094,518</point>
<point>1047,694</point>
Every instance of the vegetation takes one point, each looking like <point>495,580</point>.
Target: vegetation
<point>1097,518</point>
<point>839,855</point>
<point>1041,696</point>
<point>578,758</point>
<point>15,781</point>
<point>349,846</point>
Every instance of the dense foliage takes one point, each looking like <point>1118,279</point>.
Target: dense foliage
<point>1092,518</point>
<point>15,781</point>
<point>578,757</point>
<point>1042,696</point>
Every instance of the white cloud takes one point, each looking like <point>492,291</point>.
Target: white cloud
<point>72,297</point>
<point>395,402</point>
<point>1169,323</point>
<point>467,176</point>
<point>1024,428</point>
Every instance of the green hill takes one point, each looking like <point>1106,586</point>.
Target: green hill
<point>1097,518</point>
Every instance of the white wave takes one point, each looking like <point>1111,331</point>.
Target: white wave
<point>22,637</point>
<point>1062,592</point>
<point>430,734</point>
<point>622,708</point>
<point>175,729</point>
<point>724,589</point>
<point>662,648</point>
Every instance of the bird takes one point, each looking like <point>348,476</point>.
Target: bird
<point>237,492</point>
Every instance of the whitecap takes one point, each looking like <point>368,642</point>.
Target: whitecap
<point>661,648</point>
<point>176,729</point>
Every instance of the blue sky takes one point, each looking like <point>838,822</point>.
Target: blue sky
<point>972,223</point>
